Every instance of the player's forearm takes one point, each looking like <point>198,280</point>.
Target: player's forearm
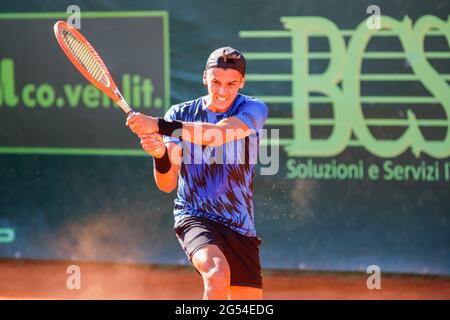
<point>203,133</point>
<point>167,167</point>
<point>206,133</point>
<point>166,182</point>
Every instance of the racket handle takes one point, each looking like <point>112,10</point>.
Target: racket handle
<point>125,107</point>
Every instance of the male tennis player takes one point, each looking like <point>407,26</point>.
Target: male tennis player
<point>214,219</point>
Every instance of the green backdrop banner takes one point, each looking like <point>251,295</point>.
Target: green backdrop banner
<point>359,176</point>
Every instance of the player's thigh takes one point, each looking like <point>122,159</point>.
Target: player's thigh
<point>245,293</point>
<point>210,258</point>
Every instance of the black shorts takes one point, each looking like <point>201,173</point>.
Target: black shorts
<point>242,252</point>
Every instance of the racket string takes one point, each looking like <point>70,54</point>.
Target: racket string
<point>84,56</point>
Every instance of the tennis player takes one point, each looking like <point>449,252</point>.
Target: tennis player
<point>214,218</point>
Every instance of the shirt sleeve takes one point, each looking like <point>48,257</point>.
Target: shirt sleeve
<point>170,116</point>
<point>254,114</point>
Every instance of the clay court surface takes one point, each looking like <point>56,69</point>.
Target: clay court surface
<point>24,279</point>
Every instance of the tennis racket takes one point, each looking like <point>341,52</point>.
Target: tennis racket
<point>84,57</point>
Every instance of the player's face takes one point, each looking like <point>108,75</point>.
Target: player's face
<point>223,86</point>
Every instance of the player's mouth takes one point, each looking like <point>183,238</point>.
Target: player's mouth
<point>221,99</point>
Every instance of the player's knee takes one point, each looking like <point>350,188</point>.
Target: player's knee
<point>214,268</point>
<point>217,278</point>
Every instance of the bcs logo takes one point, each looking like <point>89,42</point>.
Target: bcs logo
<point>340,86</point>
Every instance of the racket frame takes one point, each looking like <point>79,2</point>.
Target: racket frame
<point>112,91</point>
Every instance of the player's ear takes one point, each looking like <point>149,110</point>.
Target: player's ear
<point>242,82</point>
<point>204,79</point>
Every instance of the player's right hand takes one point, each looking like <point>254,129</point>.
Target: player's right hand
<point>153,144</point>
<point>140,123</point>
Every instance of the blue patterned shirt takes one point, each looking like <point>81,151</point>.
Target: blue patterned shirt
<point>217,182</point>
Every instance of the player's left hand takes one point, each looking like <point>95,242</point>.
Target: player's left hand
<point>153,144</point>
<point>141,124</point>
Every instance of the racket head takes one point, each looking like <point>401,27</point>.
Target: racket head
<point>87,61</point>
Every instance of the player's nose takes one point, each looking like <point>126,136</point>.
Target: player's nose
<point>222,91</point>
